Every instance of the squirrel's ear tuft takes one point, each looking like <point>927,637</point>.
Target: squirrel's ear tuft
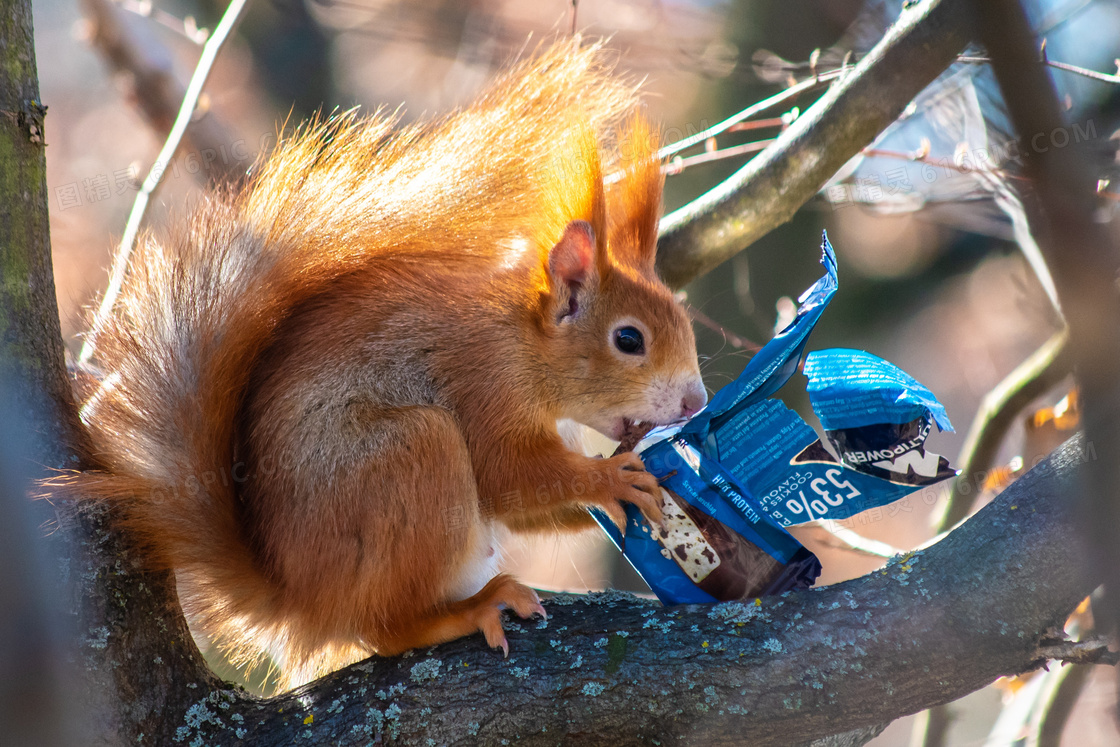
<point>571,264</point>
<point>634,200</point>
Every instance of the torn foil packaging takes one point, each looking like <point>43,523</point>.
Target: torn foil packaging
<point>746,466</point>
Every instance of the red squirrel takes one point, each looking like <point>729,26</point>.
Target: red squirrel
<point>323,396</point>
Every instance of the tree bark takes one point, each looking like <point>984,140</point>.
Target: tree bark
<point>38,423</point>
<point>31,356</point>
<point>611,669</point>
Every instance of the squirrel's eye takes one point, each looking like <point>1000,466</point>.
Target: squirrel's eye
<point>629,340</point>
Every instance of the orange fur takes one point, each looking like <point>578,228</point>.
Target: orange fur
<point>324,395</point>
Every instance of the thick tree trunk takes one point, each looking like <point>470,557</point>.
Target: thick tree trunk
<point>31,357</point>
<point>37,419</point>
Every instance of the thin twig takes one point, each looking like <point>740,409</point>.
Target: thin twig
<point>132,51</point>
<point>759,124</point>
<point>1087,651</point>
<point>928,160</point>
<point>678,164</point>
<point>1076,70</point>
<point>733,339</point>
<point>185,27</point>
<point>943,163</point>
<point>155,175</point>
<point>840,537</point>
<point>1043,369</point>
<point>766,104</point>
<point>981,60</point>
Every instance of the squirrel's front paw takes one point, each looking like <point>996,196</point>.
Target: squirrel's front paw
<point>629,482</point>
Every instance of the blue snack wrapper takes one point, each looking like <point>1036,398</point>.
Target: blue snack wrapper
<point>746,466</point>
<point>772,366</point>
<point>851,388</point>
<point>742,552</point>
<point>876,417</point>
<point>886,441</point>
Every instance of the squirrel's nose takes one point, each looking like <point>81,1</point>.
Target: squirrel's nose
<point>694,399</point>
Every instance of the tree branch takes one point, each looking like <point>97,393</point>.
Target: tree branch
<point>1084,264</point>
<point>1000,407</point>
<point>612,669</point>
<point>31,358</point>
<point>156,91</point>
<point>141,671</point>
<point>767,191</point>
<point>155,175</point>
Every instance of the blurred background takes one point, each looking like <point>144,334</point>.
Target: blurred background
<point>931,274</point>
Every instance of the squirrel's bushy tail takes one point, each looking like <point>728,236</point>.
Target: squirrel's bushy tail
<point>201,303</point>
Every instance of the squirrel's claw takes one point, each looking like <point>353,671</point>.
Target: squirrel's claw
<point>613,509</point>
<point>629,482</point>
<point>507,594</point>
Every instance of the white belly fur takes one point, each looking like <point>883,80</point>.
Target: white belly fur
<point>482,562</point>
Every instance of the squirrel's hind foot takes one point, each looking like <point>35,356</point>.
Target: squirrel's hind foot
<point>481,612</point>
<point>503,592</point>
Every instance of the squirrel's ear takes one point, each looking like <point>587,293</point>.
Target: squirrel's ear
<point>571,264</point>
